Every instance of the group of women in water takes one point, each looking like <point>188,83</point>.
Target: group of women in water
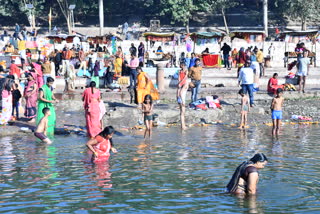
<point>244,180</point>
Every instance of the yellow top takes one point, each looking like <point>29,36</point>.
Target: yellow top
<point>260,56</point>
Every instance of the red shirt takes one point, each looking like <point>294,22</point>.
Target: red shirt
<point>14,70</point>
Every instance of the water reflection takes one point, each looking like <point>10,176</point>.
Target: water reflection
<point>100,174</point>
<point>174,172</point>
<point>7,157</point>
<point>250,204</point>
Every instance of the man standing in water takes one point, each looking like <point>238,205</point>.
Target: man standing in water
<point>195,74</point>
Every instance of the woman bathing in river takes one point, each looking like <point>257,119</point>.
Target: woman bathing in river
<point>101,145</point>
<point>245,179</point>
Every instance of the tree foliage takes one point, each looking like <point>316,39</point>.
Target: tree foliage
<point>305,10</point>
<point>178,12</point>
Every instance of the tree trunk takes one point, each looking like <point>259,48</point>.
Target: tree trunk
<point>69,24</point>
<point>265,17</point>
<point>101,17</point>
<point>303,24</point>
<point>225,21</point>
<point>187,26</point>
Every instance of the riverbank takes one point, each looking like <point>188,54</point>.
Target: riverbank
<point>125,116</point>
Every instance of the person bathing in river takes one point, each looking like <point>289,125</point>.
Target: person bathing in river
<point>147,108</point>
<point>101,145</point>
<point>41,130</point>
<point>276,108</point>
<point>246,177</point>
<point>245,108</point>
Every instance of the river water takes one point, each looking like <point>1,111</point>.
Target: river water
<point>174,173</point>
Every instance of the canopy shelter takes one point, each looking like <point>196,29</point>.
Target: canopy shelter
<point>158,37</point>
<point>202,37</point>
<point>64,37</point>
<point>103,39</point>
<point>206,35</point>
<point>248,35</point>
<point>297,37</point>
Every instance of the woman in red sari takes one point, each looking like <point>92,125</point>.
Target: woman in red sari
<point>273,84</point>
<point>91,100</point>
<point>101,145</point>
<point>31,96</point>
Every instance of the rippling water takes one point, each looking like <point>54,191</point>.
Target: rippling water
<point>174,173</point>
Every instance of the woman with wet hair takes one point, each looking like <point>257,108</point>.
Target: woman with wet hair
<point>246,177</point>
<point>101,145</point>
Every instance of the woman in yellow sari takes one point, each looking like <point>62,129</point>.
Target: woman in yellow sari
<point>118,66</point>
<point>145,86</point>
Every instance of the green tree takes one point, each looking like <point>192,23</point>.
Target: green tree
<point>221,6</point>
<point>181,11</point>
<point>306,10</point>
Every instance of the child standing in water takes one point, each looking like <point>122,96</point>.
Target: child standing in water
<point>147,108</point>
<point>245,108</point>
<point>276,108</point>
<point>41,129</point>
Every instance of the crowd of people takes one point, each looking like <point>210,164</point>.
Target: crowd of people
<point>34,82</point>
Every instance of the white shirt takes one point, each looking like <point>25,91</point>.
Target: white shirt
<point>255,66</point>
<point>246,76</point>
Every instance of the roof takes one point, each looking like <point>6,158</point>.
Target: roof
<point>305,32</point>
<point>62,36</point>
<point>207,34</point>
<point>249,31</point>
<point>157,34</point>
<point>108,36</point>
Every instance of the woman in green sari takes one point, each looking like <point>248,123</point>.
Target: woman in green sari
<point>47,99</point>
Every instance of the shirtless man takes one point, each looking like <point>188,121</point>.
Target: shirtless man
<point>41,130</point>
<point>276,108</point>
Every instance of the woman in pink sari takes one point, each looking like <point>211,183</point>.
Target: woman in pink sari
<point>39,73</point>
<point>31,96</point>
<point>91,100</point>
<point>273,84</point>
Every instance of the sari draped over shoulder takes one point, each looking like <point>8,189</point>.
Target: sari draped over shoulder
<point>92,111</point>
<point>118,66</point>
<point>145,87</point>
<point>31,98</point>
<point>102,148</point>
<point>39,79</point>
<point>47,94</point>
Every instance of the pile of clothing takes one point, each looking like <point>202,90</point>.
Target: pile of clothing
<point>205,103</point>
<point>289,87</point>
<point>301,118</point>
<point>292,79</point>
